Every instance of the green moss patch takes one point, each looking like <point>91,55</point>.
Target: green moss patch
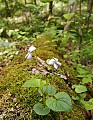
<point>17,102</point>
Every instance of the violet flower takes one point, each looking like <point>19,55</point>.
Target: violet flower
<point>29,54</point>
<point>54,62</point>
<point>31,49</point>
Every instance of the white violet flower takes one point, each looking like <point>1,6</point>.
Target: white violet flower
<point>31,49</point>
<point>54,62</point>
<point>28,56</point>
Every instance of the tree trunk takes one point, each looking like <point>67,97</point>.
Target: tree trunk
<point>50,7</point>
<point>90,5</point>
<point>89,9</point>
<point>35,2</point>
<point>8,13</point>
<point>25,2</point>
<point>80,30</point>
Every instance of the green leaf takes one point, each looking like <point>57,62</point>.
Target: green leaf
<point>83,95</point>
<point>65,56</point>
<point>75,98</point>
<point>64,41</point>
<point>81,76</point>
<point>40,110</point>
<point>34,83</point>
<point>86,80</point>
<point>1,30</point>
<point>49,89</point>
<point>82,71</point>
<point>60,102</point>
<point>74,86</point>
<point>9,32</point>
<point>45,1</point>
<point>68,16</point>
<point>71,2</point>
<point>22,33</point>
<point>79,88</point>
<point>89,104</point>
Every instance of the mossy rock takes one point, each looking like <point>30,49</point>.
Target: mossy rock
<point>17,102</point>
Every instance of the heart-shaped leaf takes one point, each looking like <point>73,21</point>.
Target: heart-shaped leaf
<point>49,89</point>
<point>34,83</point>
<point>79,88</point>
<point>60,102</point>
<point>89,104</point>
<point>40,110</point>
<point>86,80</point>
<point>68,16</point>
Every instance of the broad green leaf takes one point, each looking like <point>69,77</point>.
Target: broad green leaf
<point>60,102</point>
<point>34,83</point>
<point>71,2</point>
<point>82,71</point>
<point>86,80</point>
<point>79,88</point>
<point>45,1</point>
<point>89,104</point>
<point>40,110</point>
<point>50,90</point>
<point>68,16</point>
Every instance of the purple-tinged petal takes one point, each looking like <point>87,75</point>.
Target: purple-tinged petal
<point>28,56</point>
<point>58,63</point>
<point>51,62</point>
<point>55,66</point>
<point>32,48</point>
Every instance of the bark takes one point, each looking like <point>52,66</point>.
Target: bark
<point>25,2</point>
<point>89,9</point>
<point>80,29</point>
<point>90,5</point>
<point>8,13</point>
<point>35,2</point>
<point>50,7</point>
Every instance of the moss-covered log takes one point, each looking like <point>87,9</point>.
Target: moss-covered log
<point>17,102</point>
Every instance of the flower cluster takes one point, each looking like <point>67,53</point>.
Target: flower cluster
<point>53,61</point>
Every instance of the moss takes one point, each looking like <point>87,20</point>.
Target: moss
<point>20,70</point>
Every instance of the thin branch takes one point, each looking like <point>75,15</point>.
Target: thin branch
<point>71,10</point>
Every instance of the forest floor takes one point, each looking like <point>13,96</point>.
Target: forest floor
<point>20,32</point>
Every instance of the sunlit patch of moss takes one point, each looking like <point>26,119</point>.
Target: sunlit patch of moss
<point>20,70</point>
